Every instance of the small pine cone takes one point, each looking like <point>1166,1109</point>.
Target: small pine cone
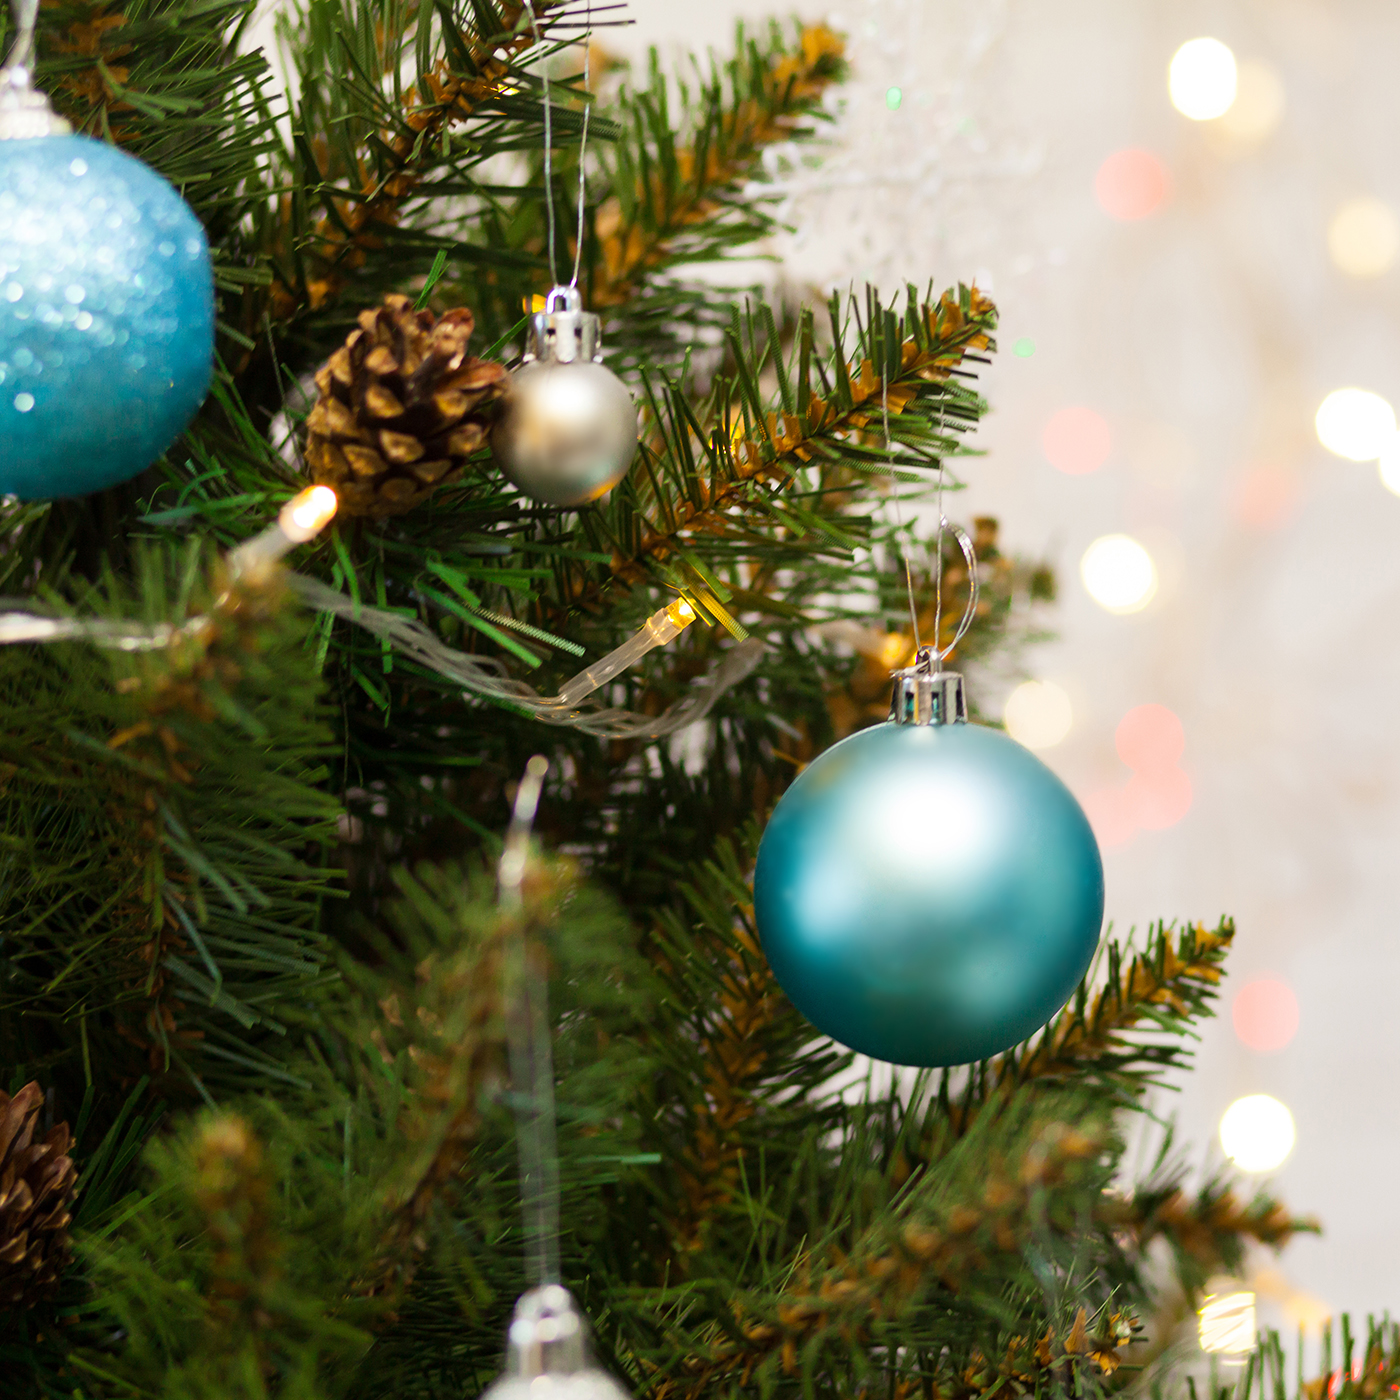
<point>402,406</point>
<point>37,1183</point>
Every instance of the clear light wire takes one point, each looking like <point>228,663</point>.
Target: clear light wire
<point>531,1050</point>
<point>548,140</point>
<point>583,140</point>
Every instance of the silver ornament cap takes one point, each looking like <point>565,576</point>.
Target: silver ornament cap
<point>923,695</point>
<point>25,112</point>
<point>548,1353</point>
<point>567,432</point>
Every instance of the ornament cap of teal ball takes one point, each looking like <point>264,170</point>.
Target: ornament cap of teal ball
<point>928,892</point>
<point>106,316</point>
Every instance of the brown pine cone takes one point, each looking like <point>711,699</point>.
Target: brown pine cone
<point>402,406</point>
<point>37,1183</point>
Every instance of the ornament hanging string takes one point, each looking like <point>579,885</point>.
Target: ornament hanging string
<point>549,142</point>
<point>531,1052</point>
<point>935,654</point>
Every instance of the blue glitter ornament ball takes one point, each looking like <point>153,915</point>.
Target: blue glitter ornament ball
<point>928,894</point>
<point>106,316</point>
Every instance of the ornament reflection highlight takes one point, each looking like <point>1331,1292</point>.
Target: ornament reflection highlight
<point>1257,1133</point>
<point>1118,574</point>
<point>1355,424</point>
<point>1364,237</point>
<point>1203,79</point>
<point>1038,714</point>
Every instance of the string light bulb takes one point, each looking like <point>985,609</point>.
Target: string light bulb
<point>1227,1322</point>
<point>308,513</point>
<point>1203,79</point>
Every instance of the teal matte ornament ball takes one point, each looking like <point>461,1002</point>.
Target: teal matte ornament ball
<point>106,316</point>
<point>928,894</point>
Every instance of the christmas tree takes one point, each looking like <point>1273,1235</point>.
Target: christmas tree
<point>262,984</point>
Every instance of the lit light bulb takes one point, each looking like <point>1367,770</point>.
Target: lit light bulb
<point>1119,574</point>
<point>1356,424</point>
<point>1389,465</point>
<point>1363,237</point>
<point>1227,1322</point>
<point>308,513</point>
<point>1257,1133</point>
<point>1203,79</point>
<point>1038,714</point>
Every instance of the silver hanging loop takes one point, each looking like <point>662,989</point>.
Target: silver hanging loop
<point>973,588</point>
<point>25,113</point>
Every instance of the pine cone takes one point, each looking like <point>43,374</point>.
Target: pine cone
<point>402,406</point>
<point>37,1183</point>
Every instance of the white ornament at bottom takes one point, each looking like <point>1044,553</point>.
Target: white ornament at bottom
<point>548,1357</point>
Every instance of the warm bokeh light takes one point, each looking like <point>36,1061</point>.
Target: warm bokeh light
<point>1227,1323</point>
<point>1355,424</point>
<point>1265,498</point>
<point>1118,573</point>
<point>1038,714</point>
<point>1259,103</point>
<point>1257,1133</point>
<point>1110,813</point>
<point>1202,79</point>
<point>1389,465</point>
<point>1131,184</point>
<point>1076,440</point>
<point>1364,237</point>
<point>1265,1015</point>
<point>1149,739</point>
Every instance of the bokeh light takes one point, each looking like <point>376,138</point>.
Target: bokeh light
<point>1038,714</point>
<point>1131,184</point>
<point>1110,813</point>
<point>1118,573</point>
<point>1265,1015</point>
<point>1076,440</point>
<point>1259,103</point>
<point>1364,237</point>
<point>1257,1133</point>
<point>1389,465</point>
<point>1227,1322</point>
<point>1159,799</point>
<point>1356,424</point>
<point>1150,739</point>
<point>1024,348</point>
<point>1265,498</point>
<point>894,97</point>
<point>1202,79</point>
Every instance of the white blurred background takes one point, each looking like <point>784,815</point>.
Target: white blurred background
<point>1171,282</point>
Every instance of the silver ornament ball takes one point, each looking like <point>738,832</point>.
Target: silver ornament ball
<point>549,1353</point>
<point>567,432</point>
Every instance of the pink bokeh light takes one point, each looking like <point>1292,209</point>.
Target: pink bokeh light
<point>1076,440</point>
<point>1131,184</point>
<point>1265,1015</point>
<point>1150,739</point>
